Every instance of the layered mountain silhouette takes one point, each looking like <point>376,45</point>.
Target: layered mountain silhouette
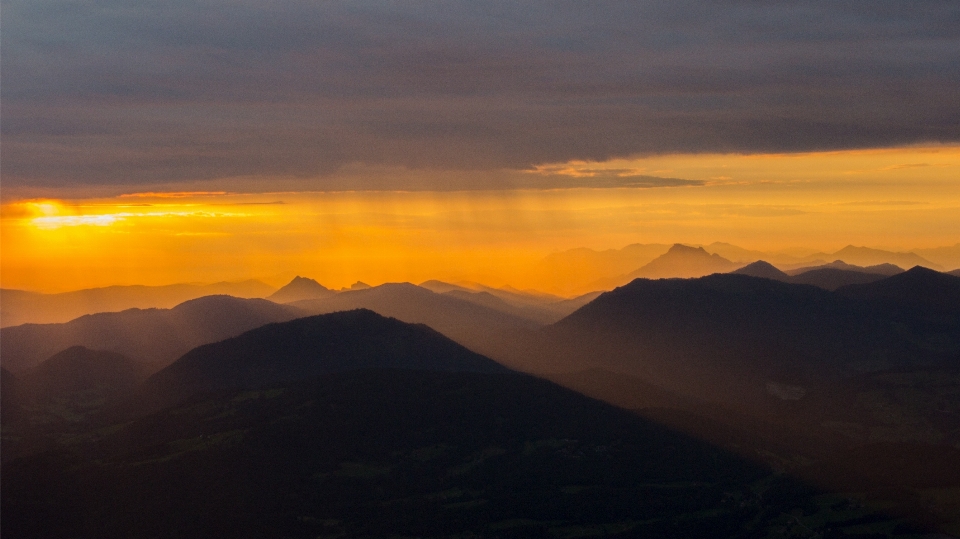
<point>480,328</point>
<point>300,288</point>
<point>151,336</point>
<point>885,270</point>
<point>355,425</point>
<point>540,308</point>
<point>865,256</point>
<point>724,337</point>
<point>22,307</point>
<point>829,276</point>
<point>308,347</point>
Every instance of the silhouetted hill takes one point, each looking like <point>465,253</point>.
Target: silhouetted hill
<point>726,337</point>
<point>486,299</point>
<point>880,269</point>
<point>762,269</point>
<point>78,369</point>
<point>918,289</point>
<point>479,328</point>
<point>307,347</point>
<point>832,279</point>
<point>395,453</point>
<point>22,307</point>
<point>955,273</point>
<point>156,336</point>
<point>300,288</point>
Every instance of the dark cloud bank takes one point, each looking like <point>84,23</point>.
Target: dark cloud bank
<point>114,92</point>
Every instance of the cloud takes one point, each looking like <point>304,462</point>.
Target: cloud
<point>101,92</point>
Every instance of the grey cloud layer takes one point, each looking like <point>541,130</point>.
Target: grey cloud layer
<point>110,92</point>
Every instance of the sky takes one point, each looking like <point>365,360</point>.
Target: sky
<point>172,141</point>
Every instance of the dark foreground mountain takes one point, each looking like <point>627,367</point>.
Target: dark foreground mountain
<point>409,439</point>
<point>151,336</point>
<point>300,288</point>
<point>22,307</point>
<point>829,277</point>
<point>80,370</point>
<point>864,381</point>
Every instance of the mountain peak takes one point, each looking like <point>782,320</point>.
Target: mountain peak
<point>298,289</point>
<point>763,269</point>
<point>684,261</point>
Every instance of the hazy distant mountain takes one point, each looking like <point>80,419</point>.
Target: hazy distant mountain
<point>865,256</point>
<point>300,288</point>
<point>22,307</point>
<point>878,269</point>
<point>307,347</point>
<point>762,269</point>
<point>156,336</point>
<point>477,327</point>
<point>581,267</point>
<point>541,308</point>
<point>680,261</point>
<point>948,257</point>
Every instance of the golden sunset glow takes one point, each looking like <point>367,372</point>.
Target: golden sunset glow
<point>896,199</point>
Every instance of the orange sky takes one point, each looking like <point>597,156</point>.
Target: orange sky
<point>895,199</point>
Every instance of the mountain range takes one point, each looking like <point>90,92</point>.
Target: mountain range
<point>153,337</point>
<point>353,425</point>
<point>21,307</point>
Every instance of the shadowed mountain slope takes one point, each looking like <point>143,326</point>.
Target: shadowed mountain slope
<point>726,337</point>
<point>828,277</point>
<point>832,278</point>
<point>156,336</point>
<point>307,347</point>
<point>78,369</point>
<point>918,290</point>
<point>22,307</point>
<point>300,288</point>
<point>477,327</point>
<point>415,436</point>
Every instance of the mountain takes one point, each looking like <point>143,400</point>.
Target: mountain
<point>540,308</point>
<point>78,369</point>
<point>948,257</point>
<point>685,262</point>
<point>919,290</point>
<point>865,256</point>
<point>955,272</point>
<point>300,288</point>
<point>22,307</point>
<point>153,336</point>
<point>479,328</point>
<point>582,267</point>
<point>726,337</point>
<point>307,347</point>
<point>832,279</point>
<point>411,436</point>
<point>879,269</point>
<point>762,269</point>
